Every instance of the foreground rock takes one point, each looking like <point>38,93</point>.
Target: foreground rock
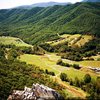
<point>37,92</point>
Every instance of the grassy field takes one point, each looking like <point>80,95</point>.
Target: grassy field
<point>48,61</point>
<point>12,41</point>
<point>90,63</point>
<point>84,63</point>
<point>41,61</point>
<point>73,40</point>
<point>96,57</point>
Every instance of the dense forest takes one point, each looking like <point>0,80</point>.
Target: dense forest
<point>41,24</point>
<point>16,75</point>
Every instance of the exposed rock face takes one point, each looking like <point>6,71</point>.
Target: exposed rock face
<point>37,92</point>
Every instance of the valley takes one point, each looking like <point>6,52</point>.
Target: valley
<point>48,62</point>
<point>56,46</point>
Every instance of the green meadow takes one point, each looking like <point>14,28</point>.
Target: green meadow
<point>7,40</point>
<point>48,61</point>
<point>72,40</point>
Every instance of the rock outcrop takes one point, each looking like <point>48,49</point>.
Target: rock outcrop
<point>37,92</point>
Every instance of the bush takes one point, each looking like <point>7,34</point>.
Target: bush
<point>98,59</point>
<point>87,78</point>
<point>59,62</point>
<point>70,81</point>
<point>67,65</point>
<point>76,66</point>
<point>63,76</point>
<point>50,73</point>
<point>77,82</point>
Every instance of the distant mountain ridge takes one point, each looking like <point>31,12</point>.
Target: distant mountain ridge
<point>44,4</point>
<point>91,0</point>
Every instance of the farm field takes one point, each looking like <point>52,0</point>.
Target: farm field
<point>48,61</point>
<point>88,63</point>
<point>6,40</point>
<point>73,40</point>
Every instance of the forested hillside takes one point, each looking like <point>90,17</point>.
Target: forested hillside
<point>57,46</point>
<point>41,24</point>
<point>15,74</point>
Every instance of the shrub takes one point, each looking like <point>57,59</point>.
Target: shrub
<point>63,76</point>
<point>59,62</point>
<point>87,78</point>
<point>98,59</point>
<point>67,65</point>
<point>77,82</point>
<point>76,66</point>
<point>50,73</point>
<point>70,81</point>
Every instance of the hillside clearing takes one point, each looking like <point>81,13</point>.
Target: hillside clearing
<point>6,40</point>
<point>72,40</point>
<point>90,63</point>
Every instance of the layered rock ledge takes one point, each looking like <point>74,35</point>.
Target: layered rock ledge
<point>37,92</point>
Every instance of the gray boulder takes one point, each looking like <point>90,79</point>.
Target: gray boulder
<point>37,92</point>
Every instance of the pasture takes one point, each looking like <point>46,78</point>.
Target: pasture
<point>6,40</point>
<point>48,61</point>
<point>72,40</point>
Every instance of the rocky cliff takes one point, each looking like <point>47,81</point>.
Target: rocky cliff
<point>37,92</point>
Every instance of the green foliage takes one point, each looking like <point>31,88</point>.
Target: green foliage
<point>49,72</point>
<point>98,59</point>
<point>7,40</point>
<point>87,78</point>
<point>76,66</point>
<point>59,62</point>
<point>38,25</point>
<point>47,47</point>
<point>15,74</point>
<point>91,48</point>
<point>71,82</point>
<point>74,55</point>
<point>77,82</point>
<point>2,53</point>
<point>63,76</point>
<point>94,90</point>
<point>12,54</point>
<point>38,50</point>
